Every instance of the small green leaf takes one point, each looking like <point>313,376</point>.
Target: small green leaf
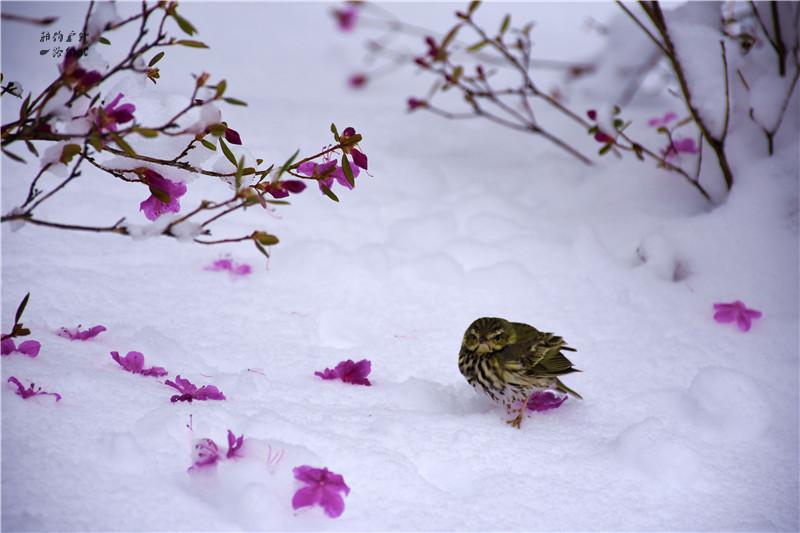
<point>122,143</point>
<point>21,308</point>
<point>327,192</point>
<point>348,172</point>
<point>184,24</point>
<point>191,44</point>
<point>288,163</point>
<point>235,101</point>
<point>278,202</point>
<point>156,59</point>
<point>473,6</point>
<point>335,132</point>
<point>248,170</point>
<point>217,130</point>
<point>161,195</point>
<point>618,122</point>
<point>505,24</point>
<point>211,146</point>
<point>68,152</point>
<point>261,249</point>
<point>147,132</point>
<point>477,46</point>
<point>450,36</point>
<point>604,150</point>
<point>221,86</point>
<point>238,175</point>
<point>662,129</point>
<point>31,148</point>
<point>266,239</point>
<point>23,110</point>
<point>103,40</point>
<point>227,152</point>
<point>13,156</point>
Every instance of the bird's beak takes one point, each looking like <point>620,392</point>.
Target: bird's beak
<point>483,348</point>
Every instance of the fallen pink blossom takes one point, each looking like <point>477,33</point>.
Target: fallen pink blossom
<point>349,372</point>
<point>190,392</point>
<point>545,400</point>
<point>75,334</point>
<point>736,311</point>
<point>234,445</point>
<point>30,348</point>
<point>134,362</point>
<point>322,488</point>
<point>28,392</point>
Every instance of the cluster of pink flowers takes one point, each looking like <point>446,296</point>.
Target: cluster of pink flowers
<point>329,170</point>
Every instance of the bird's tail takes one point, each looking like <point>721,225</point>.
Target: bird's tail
<point>563,388</point>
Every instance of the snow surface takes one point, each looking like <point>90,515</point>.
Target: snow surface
<point>687,424</point>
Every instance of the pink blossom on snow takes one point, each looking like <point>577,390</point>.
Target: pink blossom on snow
<point>205,452</point>
<point>189,391</point>
<point>349,372</point>
<point>323,488</point>
<point>736,311</point>
<point>234,445</point>
<point>30,348</point>
<point>29,391</point>
<point>545,400</point>
<point>75,334</point>
<point>227,264</point>
<point>662,121</point>
<point>134,362</point>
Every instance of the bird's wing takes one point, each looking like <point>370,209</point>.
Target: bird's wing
<point>536,353</point>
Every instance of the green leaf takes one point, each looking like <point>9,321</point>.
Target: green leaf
<point>217,130</point>
<point>235,101</point>
<point>278,202</point>
<point>221,86</point>
<point>335,132</point>
<point>348,172</point>
<point>68,152</point>
<point>473,6</point>
<point>23,110</point>
<point>21,308</point>
<point>505,24</point>
<point>20,331</point>
<point>147,132</point>
<point>450,36</point>
<point>161,195</point>
<point>327,192</point>
<point>618,122</point>
<point>103,40</point>
<point>238,175</point>
<point>13,156</point>
<point>227,151</point>
<point>477,46</point>
<point>184,24</point>
<point>211,146</point>
<point>156,59</point>
<point>122,143</point>
<point>31,148</point>
<point>288,163</point>
<point>264,238</point>
<point>192,44</point>
<point>261,249</point>
<point>604,150</point>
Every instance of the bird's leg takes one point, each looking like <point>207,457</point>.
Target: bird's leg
<point>517,420</point>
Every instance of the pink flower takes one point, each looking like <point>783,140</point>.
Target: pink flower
<point>29,348</point>
<point>663,121</point>
<point>602,137</point>
<point>161,189</point>
<point>27,393</point>
<point>327,172</point>
<point>282,189</point>
<point>346,17</point>
<point>357,81</point>
<point>75,334</point>
<point>322,488</point>
<point>204,453</point>
<point>190,392</point>
<point>234,445</point>
<point>592,114</point>
<point>108,117</point>
<point>75,75</point>
<point>349,372</point>
<point>359,158</point>
<point>545,400</point>
<point>134,362</point>
<point>683,145</point>
<point>736,311</point>
<point>227,264</point>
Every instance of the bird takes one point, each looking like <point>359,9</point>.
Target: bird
<point>509,361</point>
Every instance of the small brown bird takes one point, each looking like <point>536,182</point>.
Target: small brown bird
<point>510,360</point>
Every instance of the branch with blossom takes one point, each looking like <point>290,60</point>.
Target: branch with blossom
<point>80,129</point>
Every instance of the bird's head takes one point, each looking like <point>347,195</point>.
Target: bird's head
<point>487,335</point>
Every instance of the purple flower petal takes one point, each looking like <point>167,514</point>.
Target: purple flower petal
<point>7,346</point>
<point>736,311</point>
<point>545,400</point>
<point>332,503</point>
<point>307,474</point>
<point>76,334</point>
<point>205,453</point>
<point>154,207</point>
<point>359,158</point>
<point>234,445</point>
<point>306,497</point>
<point>28,392</point>
<point>29,348</point>
<point>294,186</point>
<point>232,136</point>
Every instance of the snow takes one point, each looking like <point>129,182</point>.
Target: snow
<point>687,424</point>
